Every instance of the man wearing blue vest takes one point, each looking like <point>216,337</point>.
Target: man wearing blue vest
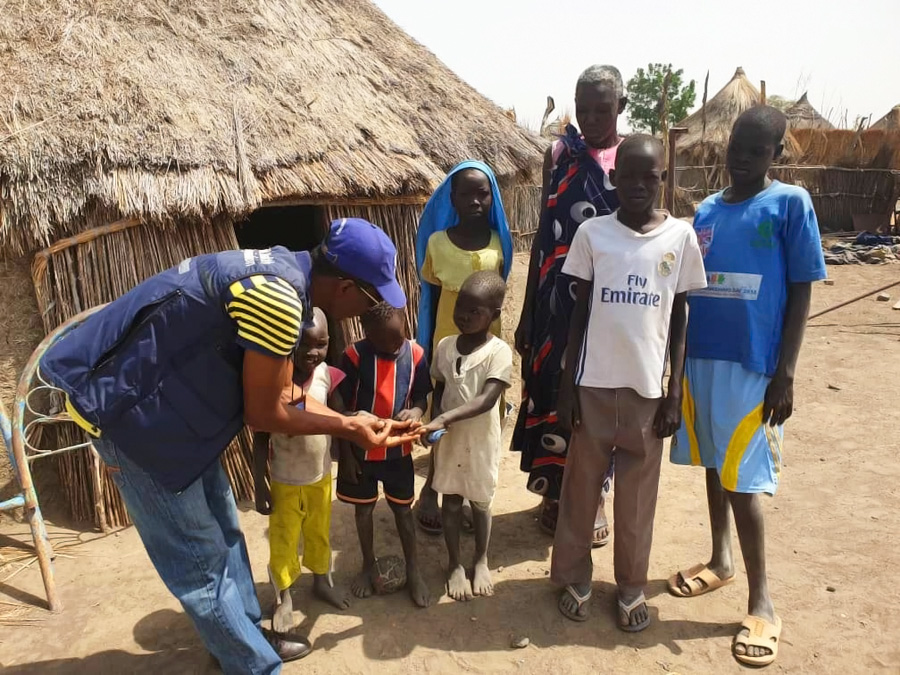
<point>164,378</point>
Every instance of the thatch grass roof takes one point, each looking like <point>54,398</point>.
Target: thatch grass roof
<point>802,115</point>
<point>890,122</point>
<point>701,146</point>
<point>195,109</point>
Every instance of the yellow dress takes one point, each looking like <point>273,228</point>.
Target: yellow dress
<point>448,266</point>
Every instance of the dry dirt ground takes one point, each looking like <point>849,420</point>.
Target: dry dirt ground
<point>832,543</point>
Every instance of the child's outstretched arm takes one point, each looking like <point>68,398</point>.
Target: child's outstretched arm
<point>668,415</point>
<point>567,410</point>
<point>778,405</point>
<point>486,400</point>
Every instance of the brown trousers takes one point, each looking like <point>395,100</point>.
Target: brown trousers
<point>620,419</point>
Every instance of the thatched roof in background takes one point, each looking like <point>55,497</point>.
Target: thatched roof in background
<point>890,122</point>
<point>172,110</point>
<point>698,146</point>
<point>802,115</point>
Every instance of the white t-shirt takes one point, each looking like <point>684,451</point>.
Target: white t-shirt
<point>304,460</point>
<point>635,279</point>
<point>467,458</point>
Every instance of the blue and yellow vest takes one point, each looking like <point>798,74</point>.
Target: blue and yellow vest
<point>159,370</point>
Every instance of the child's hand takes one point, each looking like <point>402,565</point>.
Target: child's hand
<point>410,414</point>
<point>568,409</point>
<point>437,424</point>
<point>778,405</point>
<point>668,416</point>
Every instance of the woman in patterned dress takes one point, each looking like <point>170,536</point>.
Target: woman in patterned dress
<point>575,187</point>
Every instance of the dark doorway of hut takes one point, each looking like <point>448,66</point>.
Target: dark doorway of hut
<point>297,228</point>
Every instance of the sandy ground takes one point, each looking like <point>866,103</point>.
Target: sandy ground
<point>832,540</point>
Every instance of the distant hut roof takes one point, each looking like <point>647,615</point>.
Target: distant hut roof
<point>802,115</point>
<point>699,146</point>
<point>199,109</point>
<point>890,122</point>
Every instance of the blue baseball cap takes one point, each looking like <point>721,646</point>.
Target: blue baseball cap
<point>364,252</point>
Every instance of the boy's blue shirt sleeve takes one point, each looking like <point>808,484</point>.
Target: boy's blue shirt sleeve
<point>803,244</point>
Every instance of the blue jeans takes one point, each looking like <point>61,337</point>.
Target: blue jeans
<point>195,542</point>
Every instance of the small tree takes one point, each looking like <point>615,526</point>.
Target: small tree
<point>646,95</point>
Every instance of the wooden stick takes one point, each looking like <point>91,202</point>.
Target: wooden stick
<point>852,300</point>
<point>674,133</point>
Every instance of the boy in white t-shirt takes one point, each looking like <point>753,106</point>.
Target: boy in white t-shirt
<point>632,271</point>
<point>299,503</point>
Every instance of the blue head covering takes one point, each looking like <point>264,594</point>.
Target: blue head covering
<point>438,215</point>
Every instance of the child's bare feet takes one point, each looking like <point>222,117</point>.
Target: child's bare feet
<point>283,616</point>
<point>362,585</point>
<point>458,585</point>
<point>482,584</point>
<point>416,587</point>
<point>325,590</point>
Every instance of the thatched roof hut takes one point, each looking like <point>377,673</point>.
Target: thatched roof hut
<point>709,128</point>
<point>890,122</point>
<point>166,111</point>
<point>152,131</point>
<point>802,115</point>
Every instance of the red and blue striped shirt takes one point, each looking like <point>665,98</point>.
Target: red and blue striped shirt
<point>384,385</point>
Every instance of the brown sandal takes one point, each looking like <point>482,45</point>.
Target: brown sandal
<point>699,579</point>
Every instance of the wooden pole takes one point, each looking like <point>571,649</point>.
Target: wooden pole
<point>852,300</point>
<point>674,133</point>
<point>762,92</point>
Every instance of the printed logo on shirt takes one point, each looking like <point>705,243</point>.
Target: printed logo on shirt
<point>705,239</point>
<point>765,235</point>
<point>667,264</point>
<point>634,294</point>
<point>730,285</point>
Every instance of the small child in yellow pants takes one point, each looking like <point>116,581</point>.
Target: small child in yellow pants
<point>300,496</point>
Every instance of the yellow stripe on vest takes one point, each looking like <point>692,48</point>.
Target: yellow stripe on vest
<point>737,446</point>
<point>80,421</point>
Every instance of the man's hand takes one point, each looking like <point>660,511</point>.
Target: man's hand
<point>668,416</point>
<point>410,415</point>
<point>778,404</point>
<point>372,432</point>
<point>568,409</point>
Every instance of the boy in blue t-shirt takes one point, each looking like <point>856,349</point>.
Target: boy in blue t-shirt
<point>762,251</point>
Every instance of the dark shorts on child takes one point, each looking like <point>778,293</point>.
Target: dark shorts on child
<point>397,480</point>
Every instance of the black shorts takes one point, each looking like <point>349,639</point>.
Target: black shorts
<point>397,478</point>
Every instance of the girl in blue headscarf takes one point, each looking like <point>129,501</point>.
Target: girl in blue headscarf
<point>463,229</point>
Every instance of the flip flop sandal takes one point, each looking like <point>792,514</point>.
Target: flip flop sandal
<point>582,600</point>
<point>625,612</point>
<point>761,633</point>
<point>426,528</point>
<point>699,579</point>
<point>600,542</point>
